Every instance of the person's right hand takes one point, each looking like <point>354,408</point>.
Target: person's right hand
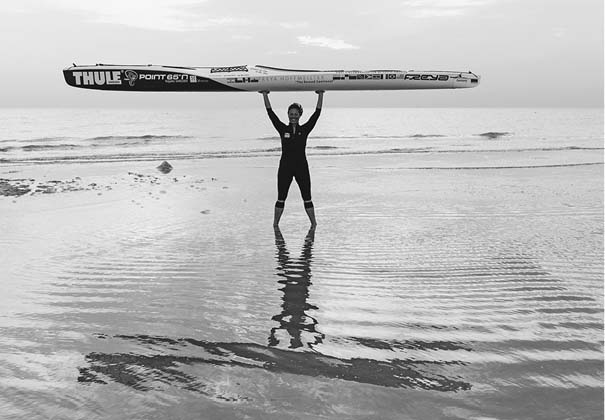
<point>263,92</point>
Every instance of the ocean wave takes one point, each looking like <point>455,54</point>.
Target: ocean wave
<point>35,147</point>
<point>450,168</point>
<point>403,136</point>
<point>366,136</point>
<point>381,136</point>
<point>146,137</point>
<point>317,151</point>
<point>423,136</point>
<point>38,147</point>
<point>322,147</point>
<point>494,134</point>
<point>313,137</point>
<point>408,150</point>
<point>385,136</point>
<point>36,139</point>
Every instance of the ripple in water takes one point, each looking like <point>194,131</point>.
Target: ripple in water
<point>474,305</point>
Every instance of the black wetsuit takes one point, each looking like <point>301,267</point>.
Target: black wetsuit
<point>293,162</point>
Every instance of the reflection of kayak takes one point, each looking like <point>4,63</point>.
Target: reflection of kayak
<point>257,78</point>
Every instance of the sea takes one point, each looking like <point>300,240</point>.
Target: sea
<point>456,272</point>
<point>81,135</point>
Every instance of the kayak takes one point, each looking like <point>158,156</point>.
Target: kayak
<point>254,78</point>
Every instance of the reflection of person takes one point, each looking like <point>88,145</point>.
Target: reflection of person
<point>296,277</point>
<point>293,162</point>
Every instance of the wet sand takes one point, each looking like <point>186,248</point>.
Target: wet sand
<point>441,292</point>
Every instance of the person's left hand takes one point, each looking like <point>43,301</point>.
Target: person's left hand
<point>320,92</point>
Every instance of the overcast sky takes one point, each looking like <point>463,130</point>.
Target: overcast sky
<point>528,52</point>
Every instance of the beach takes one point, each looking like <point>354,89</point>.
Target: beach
<point>455,155</point>
<point>439,285</point>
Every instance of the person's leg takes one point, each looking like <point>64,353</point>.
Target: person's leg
<point>284,179</point>
<point>279,209</point>
<point>303,179</point>
<point>310,213</point>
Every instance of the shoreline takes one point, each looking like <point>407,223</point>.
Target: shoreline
<point>18,181</point>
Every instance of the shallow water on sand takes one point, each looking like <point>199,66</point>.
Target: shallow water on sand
<point>423,293</point>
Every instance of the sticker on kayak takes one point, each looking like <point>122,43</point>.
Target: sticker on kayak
<point>115,77</point>
<point>141,80</point>
<point>439,77</point>
<point>228,69</point>
<point>97,78</point>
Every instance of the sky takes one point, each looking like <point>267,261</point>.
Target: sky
<point>529,53</point>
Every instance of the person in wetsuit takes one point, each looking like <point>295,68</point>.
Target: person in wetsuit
<point>293,162</point>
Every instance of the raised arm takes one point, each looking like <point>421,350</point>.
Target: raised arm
<point>309,125</point>
<point>279,126</point>
<point>265,94</point>
<point>320,98</point>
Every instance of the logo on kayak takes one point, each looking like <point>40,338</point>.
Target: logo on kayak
<point>228,69</point>
<point>131,76</point>
<point>97,78</point>
<point>115,77</point>
<point>416,76</point>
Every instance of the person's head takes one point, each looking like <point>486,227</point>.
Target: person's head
<point>294,112</point>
